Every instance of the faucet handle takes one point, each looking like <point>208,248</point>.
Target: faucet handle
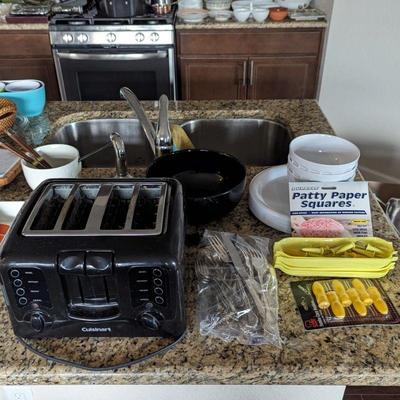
<point>164,142</point>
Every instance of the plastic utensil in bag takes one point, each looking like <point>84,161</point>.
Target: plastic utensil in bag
<point>237,289</point>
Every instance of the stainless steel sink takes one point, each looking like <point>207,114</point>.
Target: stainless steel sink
<point>253,141</point>
<point>89,135</point>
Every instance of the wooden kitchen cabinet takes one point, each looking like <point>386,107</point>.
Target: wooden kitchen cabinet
<point>27,54</point>
<point>282,78</point>
<point>249,63</point>
<point>209,78</point>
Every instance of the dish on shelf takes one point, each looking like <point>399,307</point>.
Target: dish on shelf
<point>218,5</point>
<point>260,14</point>
<point>221,16</point>
<point>278,13</point>
<point>240,4</point>
<point>192,16</point>
<point>241,14</point>
<point>294,4</point>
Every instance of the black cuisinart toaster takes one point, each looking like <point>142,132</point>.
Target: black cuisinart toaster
<point>97,258</point>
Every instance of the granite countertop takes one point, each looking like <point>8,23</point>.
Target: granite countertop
<point>206,24</point>
<point>209,23</point>
<point>4,26</point>
<point>356,355</point>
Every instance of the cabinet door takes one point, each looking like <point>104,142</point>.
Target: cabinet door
<point>283,77</point>
<point>35,68</point>
<point>213,78</point>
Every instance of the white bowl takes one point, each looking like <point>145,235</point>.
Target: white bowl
<point>324,154</point>
<point>263,4</point>
<point>218,5</point>
<point>296,175</point>
<point>192,16</point>
<point>260,14</point>
<point>241,14</point>
<point>241,4</point>
<point>221,16</point>
<point>22,85</point>
<point>294,4</point>
<point>64,159</point>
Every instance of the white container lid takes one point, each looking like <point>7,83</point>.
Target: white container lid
<point>321,153</point>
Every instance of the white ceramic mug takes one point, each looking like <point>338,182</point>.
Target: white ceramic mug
<point>62,157</point>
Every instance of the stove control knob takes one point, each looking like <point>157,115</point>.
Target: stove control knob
<point>111,38</point>
<point>67,38</point>
<point>154,37</point>
<point>139,37</point>
<point>150,321</point>
<point>38,321</point>
<point>82,38</point>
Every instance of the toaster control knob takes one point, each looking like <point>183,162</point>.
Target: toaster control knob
<point>150,321</point>
<point>38,321</point>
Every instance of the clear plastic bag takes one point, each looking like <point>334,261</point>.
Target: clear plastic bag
<point>237,289</point>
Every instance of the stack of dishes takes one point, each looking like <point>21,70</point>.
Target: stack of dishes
<point>192,15</point>
<point>258,9</point>
<point>322,158</point>
<point>218,5</point>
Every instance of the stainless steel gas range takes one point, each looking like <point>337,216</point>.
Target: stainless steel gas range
<point>96,56</point>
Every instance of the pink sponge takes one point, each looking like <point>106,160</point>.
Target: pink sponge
<point>321,227</point>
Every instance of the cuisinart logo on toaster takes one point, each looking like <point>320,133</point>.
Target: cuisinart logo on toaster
<point>90,329</point>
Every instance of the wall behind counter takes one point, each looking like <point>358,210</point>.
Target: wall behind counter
<point>360,84</point>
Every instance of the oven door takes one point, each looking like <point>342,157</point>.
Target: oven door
<point>99,74</point>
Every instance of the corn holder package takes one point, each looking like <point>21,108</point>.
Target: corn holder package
<point>368,257</point>
<point>339,209</point>
<point>343,302</point>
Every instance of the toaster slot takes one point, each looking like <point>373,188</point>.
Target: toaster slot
<point>146,214</point>
<point>50,207</point>
<point>80,208</point>
<point>117,208</point>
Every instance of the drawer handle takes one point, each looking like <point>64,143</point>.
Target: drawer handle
<point>244,82</point>
<point>251,73</point>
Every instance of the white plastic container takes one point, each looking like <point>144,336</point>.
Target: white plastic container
<point>324,154</point>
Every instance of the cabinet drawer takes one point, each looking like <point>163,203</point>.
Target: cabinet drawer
<point>250,42</point>
<point>25,45</point>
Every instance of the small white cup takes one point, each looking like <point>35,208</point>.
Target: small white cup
<point>63,157</point>
<point>22,85</point>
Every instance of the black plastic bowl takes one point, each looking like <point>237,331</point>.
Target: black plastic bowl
<point>213,182</point>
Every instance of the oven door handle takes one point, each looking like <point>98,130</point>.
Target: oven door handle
<point>113,57</point>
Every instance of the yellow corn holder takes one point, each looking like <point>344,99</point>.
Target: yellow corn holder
<point>368,257</point>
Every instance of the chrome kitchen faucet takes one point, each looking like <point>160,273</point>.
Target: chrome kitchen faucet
<point>161,140</point>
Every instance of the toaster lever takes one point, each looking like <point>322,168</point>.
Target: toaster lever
<point>99,263</point>
<point>72,263</point>
<point>94,311</point>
